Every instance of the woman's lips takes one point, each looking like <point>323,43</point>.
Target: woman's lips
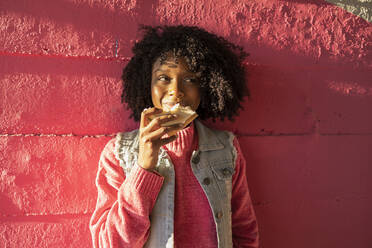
<point>170,104</point>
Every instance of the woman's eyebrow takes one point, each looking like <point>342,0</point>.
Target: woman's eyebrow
<point>160,70</point>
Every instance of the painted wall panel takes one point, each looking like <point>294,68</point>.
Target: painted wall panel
<point>48,175</point>
<point>316,188</point>
<point>305,131</point>
<point>45,232</point>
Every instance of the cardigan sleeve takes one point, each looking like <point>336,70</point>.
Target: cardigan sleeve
<point>124,203</point>
<point>244,223</point>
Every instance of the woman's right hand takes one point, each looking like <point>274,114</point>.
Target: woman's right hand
<point>150,137</point>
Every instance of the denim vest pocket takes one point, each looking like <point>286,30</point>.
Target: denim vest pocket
<point>223,171</point>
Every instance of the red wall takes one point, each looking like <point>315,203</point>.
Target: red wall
<point>306,132</point>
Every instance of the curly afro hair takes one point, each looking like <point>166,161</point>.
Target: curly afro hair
<point>219,62</point>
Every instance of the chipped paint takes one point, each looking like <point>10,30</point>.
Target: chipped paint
<point>361,8</point>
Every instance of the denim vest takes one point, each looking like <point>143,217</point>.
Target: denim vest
<point>213,164</point>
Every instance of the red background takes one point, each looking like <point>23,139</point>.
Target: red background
<point>306,132</point>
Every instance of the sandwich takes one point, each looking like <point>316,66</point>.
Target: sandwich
<point>185,115</point>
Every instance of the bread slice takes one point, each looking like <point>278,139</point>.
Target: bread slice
<point>185,115</point>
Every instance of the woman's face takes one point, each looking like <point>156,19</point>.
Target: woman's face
<point>172,83</point>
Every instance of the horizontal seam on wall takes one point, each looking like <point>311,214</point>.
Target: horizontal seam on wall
<point>58,135</point>
<point>41,217</point>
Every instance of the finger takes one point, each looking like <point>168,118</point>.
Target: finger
<point>157,134</point>
<point>145,114</point>
<point>158,121</point>
<point>167,140</point>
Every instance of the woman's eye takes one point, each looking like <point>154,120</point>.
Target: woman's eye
<point>163,78</point>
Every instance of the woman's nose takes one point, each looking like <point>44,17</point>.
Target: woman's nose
<point>176,91</point>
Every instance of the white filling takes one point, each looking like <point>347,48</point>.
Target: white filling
<point>183,114</point>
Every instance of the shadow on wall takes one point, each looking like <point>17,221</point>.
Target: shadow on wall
<point>84,16</point>
<point>7,206</point>
<point>106,19</point>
